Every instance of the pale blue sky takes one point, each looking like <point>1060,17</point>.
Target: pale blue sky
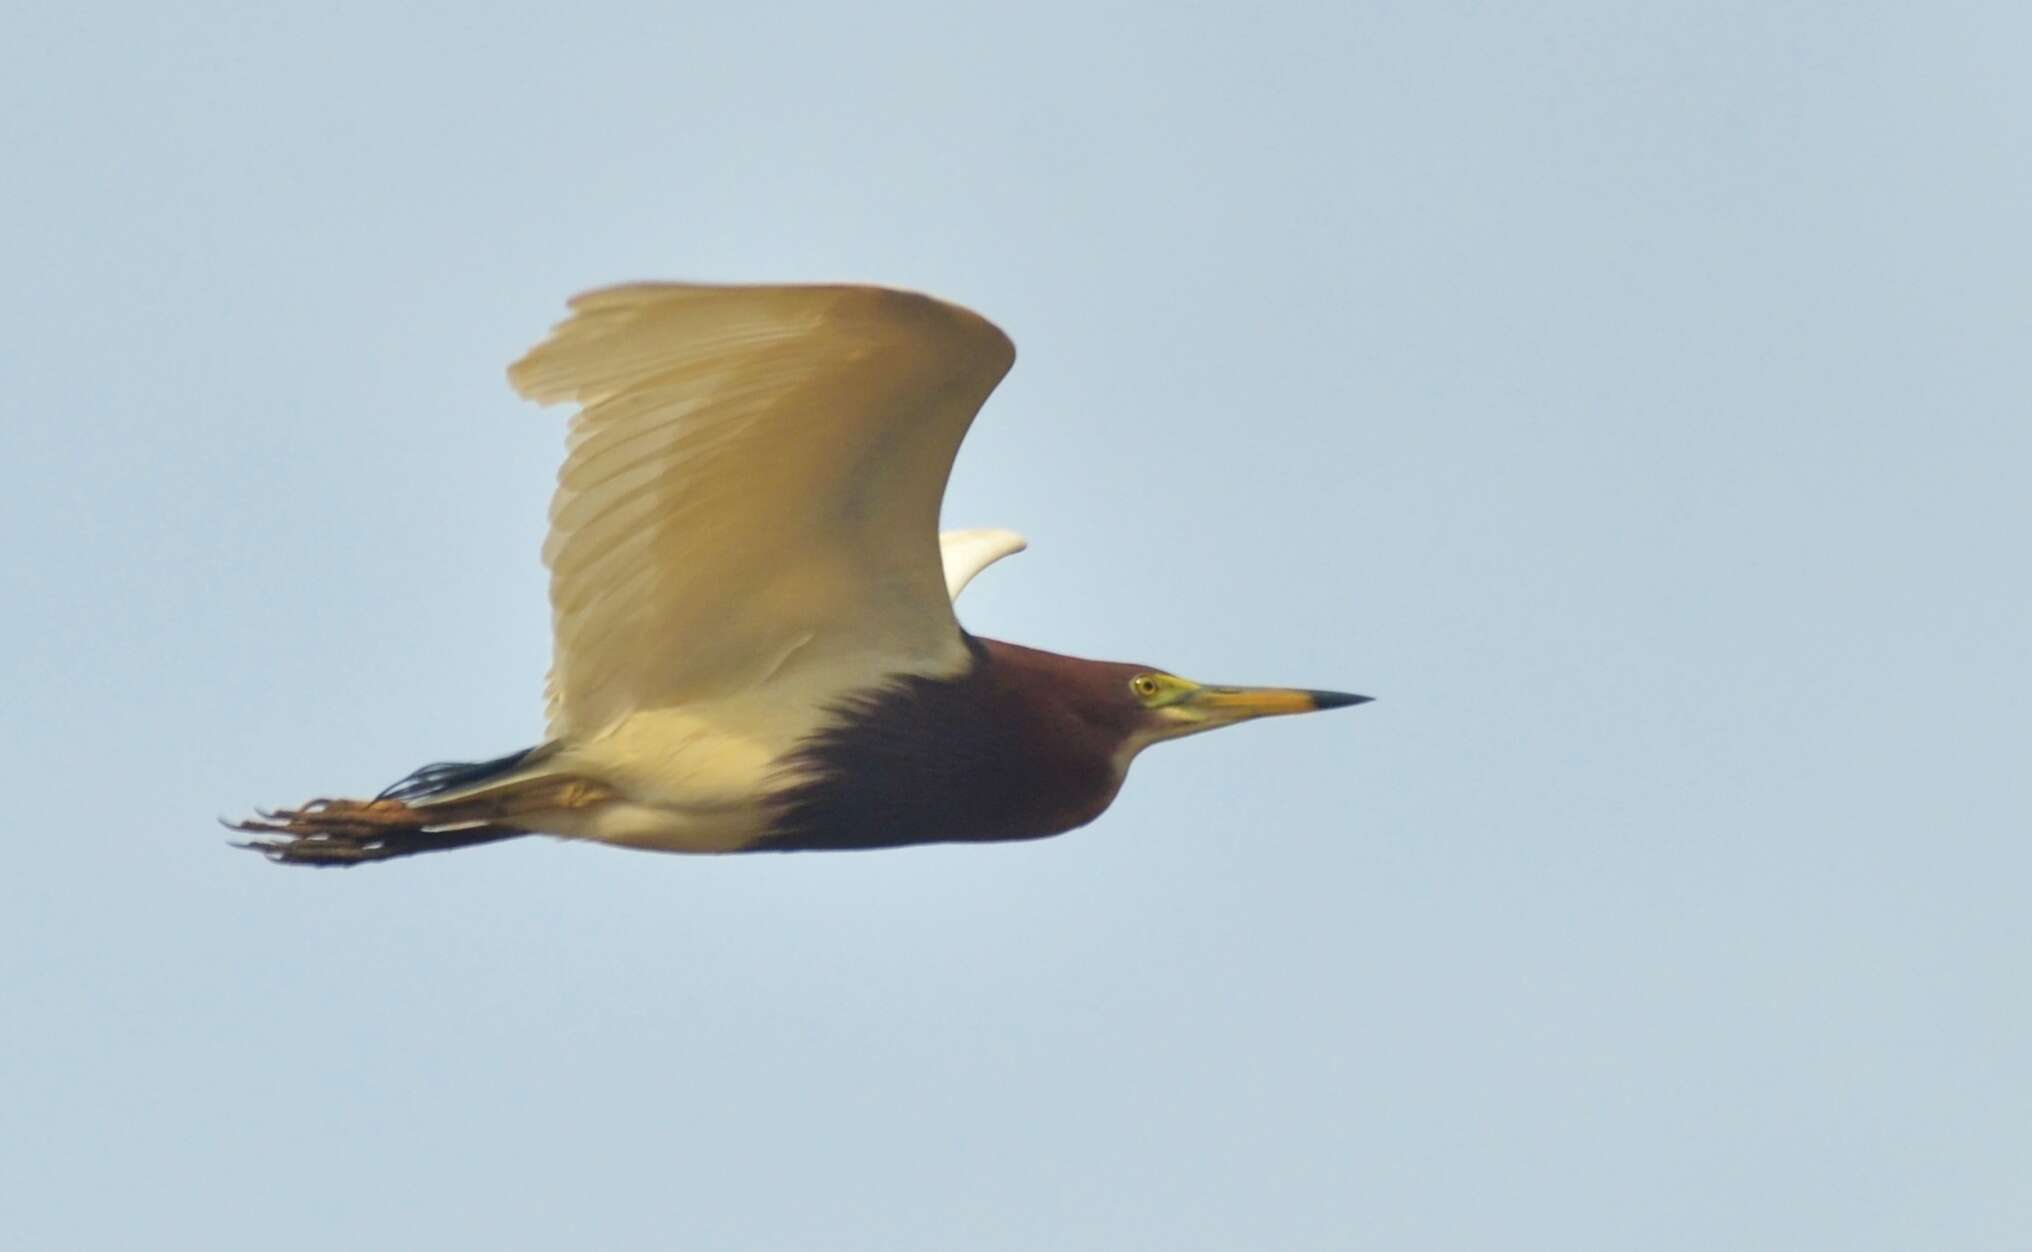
<point>1634,398</point>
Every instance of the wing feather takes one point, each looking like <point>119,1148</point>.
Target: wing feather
<point>753,472</point>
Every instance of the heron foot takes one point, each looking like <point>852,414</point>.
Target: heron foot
<point>352,832</point>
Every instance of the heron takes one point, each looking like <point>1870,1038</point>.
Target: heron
<point>754,642</point>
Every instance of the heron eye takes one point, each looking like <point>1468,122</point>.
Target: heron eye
<point>1144,685</point>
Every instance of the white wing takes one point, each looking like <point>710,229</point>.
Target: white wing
<point>968,552</point>
<point>754,475</point>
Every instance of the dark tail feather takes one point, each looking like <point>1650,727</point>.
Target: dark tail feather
<point>445,776</point>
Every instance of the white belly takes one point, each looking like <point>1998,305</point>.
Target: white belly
<point>693,779</point>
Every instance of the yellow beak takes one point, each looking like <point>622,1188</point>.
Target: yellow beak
<point>1236,704</point>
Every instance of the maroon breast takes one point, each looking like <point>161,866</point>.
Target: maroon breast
<point>1022,745</point>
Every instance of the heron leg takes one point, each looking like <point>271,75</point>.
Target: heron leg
<point>352,832</point>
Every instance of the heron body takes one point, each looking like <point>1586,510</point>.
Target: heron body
<point>755,647</point>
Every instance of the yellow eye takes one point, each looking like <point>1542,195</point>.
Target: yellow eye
<point>1145,686</point>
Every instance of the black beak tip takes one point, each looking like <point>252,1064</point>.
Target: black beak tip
<point>1336,699</point>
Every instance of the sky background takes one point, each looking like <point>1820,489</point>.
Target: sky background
<point>1633,397</point>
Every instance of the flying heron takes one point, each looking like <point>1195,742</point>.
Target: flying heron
<point>755,647</point>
